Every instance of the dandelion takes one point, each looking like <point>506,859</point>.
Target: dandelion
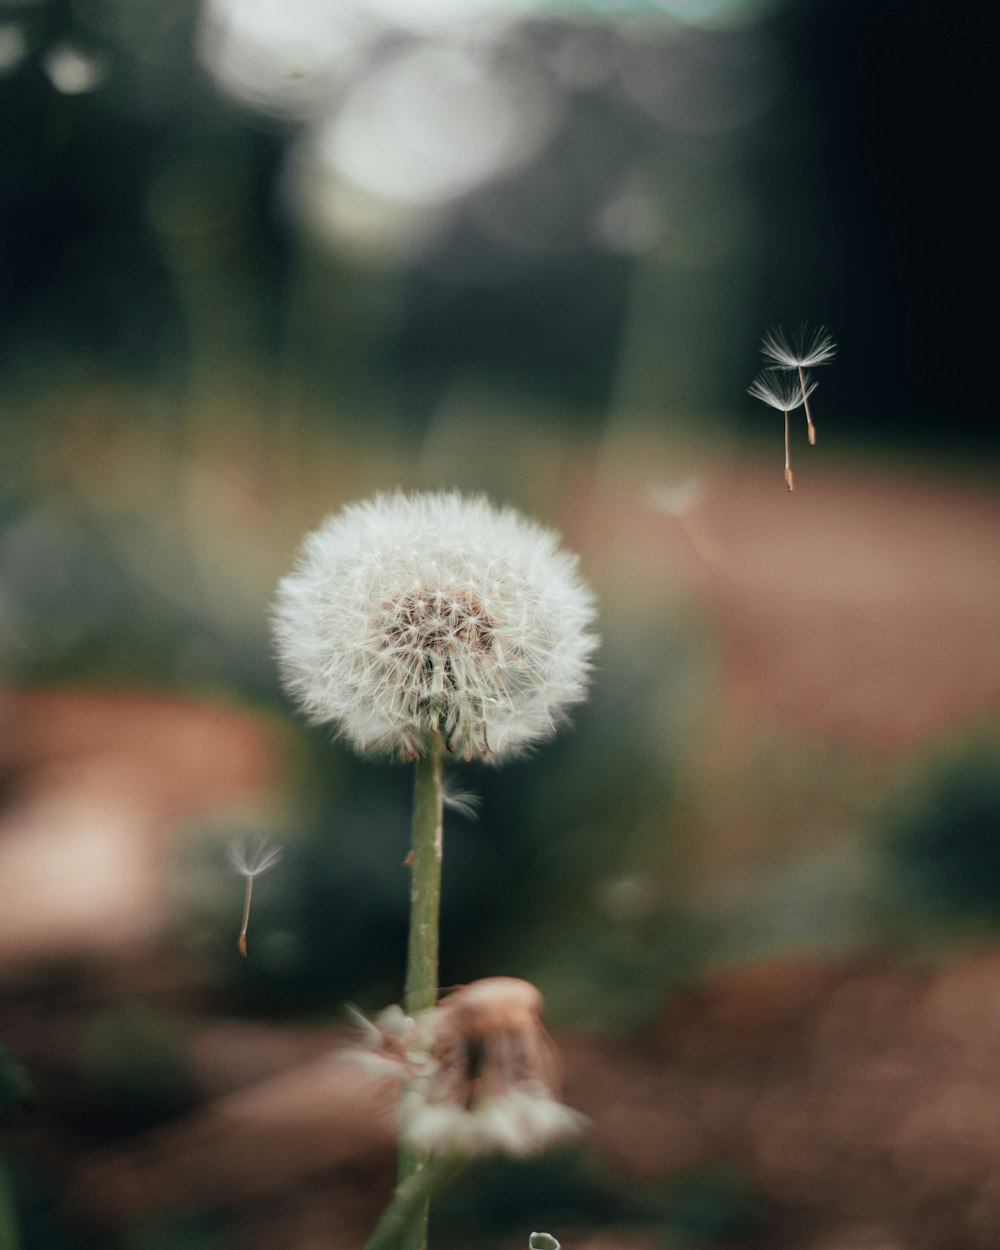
<point>480,1070</point>
<point>250,858</point>
<point>783,394</point>
<point>411,617</point>
<point>490,1087</point>
<point>479,1074</point>
<point>421,626</point>
<point>806,353</point>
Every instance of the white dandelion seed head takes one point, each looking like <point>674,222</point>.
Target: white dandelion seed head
<point>490,1084</point>
<point>375,1066</point>
<point>409,616</point>
<point>519,1123</point>
<point>780,392</point>
<point>393,1045</point>
<point>477,1070</point>
<point>805,351</point>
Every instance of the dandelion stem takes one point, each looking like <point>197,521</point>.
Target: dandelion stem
<point>422,960</point>
<point>805,404</point>
<point>425,881</point>
<point>242,940</point>
<point>411,1197</point>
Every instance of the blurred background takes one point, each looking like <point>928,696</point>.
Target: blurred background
<point>262,257</point>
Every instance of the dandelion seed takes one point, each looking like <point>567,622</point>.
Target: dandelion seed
<point>785,395</point>
<point>679,502</point>
<point>676,500</point>
<point>249,857</point>
<point>465,802</point>
<point>415,617</point>
<point>385,1045</point>
<point>781,393</point>
<point>806,352</point>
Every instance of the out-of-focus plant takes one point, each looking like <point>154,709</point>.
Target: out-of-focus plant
<point>939,838</point>
<point>134,1062</point>
<point>703,1206</point>
<point>15,1089</point>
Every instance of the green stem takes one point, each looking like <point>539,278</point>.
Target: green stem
<point>411,1197</point>
<point>422,960</point>
<point>425,883</point>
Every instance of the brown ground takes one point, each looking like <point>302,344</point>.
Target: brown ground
<point>859,1099</point>
<point>860,607</point>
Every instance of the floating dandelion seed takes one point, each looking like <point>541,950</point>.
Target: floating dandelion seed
<point>416,617</point>
<point>250,857</point>
<point>785,395</point>
<point>806,352</point>
<point>676,500</point>
<point>465,802</point>
<point>679,502</point>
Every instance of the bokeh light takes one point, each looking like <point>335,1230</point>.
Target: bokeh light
<point>435,122</point>
<point>13,46</point>
<point>423,130</point>
<point>285,57</point>
<point>73,71</point>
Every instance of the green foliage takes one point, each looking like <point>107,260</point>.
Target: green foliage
<point>15,1087</point>
<point>941,839</point>
<point>500,1196</point>
<point>35,1220</point>
<point>133,1057</point>
<point>179,1230</point>
<point>707,1207</point>
<point>567,1190</point>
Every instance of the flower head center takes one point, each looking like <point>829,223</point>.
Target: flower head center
<point>434,622</point>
